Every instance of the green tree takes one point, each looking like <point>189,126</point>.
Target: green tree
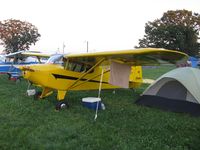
<point>178,30</point>
<point>16,35</point>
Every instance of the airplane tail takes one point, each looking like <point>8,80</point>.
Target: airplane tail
<point>136,74</point>
<point>137,78</point>
<point>148,81</point>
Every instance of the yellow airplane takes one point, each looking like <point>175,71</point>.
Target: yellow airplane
<point>63,73</point>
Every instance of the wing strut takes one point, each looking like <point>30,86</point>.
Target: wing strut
<point>84,74</point>
<point>99,94</point>
<point>89,79</point>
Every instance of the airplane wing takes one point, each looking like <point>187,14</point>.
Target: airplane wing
<point>13,54</point>
<point>27,53</point>
<point>36,54</point>
<point>134,57</point>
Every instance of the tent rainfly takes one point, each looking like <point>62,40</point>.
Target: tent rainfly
<point>177,91</point>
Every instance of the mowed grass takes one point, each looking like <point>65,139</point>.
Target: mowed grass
<point>29,124</point>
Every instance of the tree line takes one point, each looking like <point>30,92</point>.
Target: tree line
<point>175,30</point>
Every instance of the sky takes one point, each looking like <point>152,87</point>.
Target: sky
<point>68,25</point>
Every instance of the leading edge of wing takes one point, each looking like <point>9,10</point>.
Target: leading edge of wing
<point>35,54</point>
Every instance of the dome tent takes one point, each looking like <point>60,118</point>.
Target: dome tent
<point>177,91</point>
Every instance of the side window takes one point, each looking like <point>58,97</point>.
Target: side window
<point>77,67</point>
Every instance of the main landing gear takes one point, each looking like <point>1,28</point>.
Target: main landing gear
<point>37,95</point>
<point>59,105</point>
<point>62,105</point>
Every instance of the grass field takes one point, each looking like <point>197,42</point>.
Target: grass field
<point>29,124</point>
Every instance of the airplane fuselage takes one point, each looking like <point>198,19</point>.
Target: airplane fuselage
<point>54,76</point>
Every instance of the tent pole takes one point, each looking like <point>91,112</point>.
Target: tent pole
<point>99,94</point>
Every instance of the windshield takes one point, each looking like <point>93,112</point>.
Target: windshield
<point>2,58</point>
<point>55,59</point>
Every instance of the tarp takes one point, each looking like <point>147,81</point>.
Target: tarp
<point>194,61</point>
<point>119,74</point>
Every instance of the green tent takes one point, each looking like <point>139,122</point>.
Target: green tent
<point>177,90</point>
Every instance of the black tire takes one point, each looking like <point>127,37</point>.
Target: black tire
<point>9,76</point>
<point>37,95</point>
<point>62,105</point>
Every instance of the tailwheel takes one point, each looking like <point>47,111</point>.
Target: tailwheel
<point>62,105</point>
<point>37,95</point>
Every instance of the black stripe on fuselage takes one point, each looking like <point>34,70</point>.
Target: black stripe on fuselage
<point>58,76</point>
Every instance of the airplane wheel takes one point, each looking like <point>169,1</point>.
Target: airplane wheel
<point>37,95</point>
<point>62,105</point>
<point>9,76</point>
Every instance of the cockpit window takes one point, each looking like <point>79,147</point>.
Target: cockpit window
<point>78,67</point>
<point>55,59</point>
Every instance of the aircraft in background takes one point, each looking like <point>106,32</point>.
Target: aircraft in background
<point>10,67</point>
<point>63,73</point>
